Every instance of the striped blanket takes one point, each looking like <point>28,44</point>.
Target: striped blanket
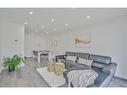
<point>81,78</point>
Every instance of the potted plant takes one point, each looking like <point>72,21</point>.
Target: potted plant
<point>12,63</point>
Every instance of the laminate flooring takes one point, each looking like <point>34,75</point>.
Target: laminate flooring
<point>27,76</point>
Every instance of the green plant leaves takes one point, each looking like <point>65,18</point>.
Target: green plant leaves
<point>13,62</point>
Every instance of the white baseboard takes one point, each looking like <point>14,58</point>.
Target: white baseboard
<point>121,76</point>
<point>29,56</point>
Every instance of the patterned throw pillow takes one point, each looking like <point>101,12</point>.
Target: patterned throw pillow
<point>85,62</point>
<point>71,58</point>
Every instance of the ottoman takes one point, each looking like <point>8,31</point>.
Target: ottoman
<point>59,68</point>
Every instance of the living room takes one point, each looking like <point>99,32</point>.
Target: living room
<point>107,36</point>
<point>101,31</point>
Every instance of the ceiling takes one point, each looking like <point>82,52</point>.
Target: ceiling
<point>50,20</point>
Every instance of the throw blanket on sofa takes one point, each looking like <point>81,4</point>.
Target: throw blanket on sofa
<point>81,78</point>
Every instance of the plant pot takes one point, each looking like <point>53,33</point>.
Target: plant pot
<point>11,69</point>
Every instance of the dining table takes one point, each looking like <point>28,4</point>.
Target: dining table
<point>38,54</point>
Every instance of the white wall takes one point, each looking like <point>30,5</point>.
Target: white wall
<point>9,33</point>
<point>34,41</point>
<point>0,42</point>
<point>108,38</point>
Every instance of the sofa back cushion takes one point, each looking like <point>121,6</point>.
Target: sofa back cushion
<point>98,65</point>
<point>78,54</point>
<point>100,59</point>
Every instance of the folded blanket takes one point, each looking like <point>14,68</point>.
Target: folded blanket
<point>81,78</point>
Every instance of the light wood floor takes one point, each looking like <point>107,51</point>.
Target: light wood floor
<point>27,76</point>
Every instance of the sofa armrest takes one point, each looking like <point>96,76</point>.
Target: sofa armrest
<point>60,57</point>
<point>110,69</point>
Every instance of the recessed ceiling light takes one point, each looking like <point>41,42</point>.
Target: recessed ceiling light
<point>42,26</point>
<point>30,13</point>
<point>73,8</point>
<point>46,32</point>
<point>36,31</point>
<point>25,22</point>
<point>66,24</point>
<point>88,17</point>
<point>54,29</point>
<point>52,20</point>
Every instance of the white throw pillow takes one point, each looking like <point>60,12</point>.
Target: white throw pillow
<point>85,62</point>
<point>71,58</point>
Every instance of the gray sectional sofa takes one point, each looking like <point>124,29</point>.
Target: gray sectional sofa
<point>101,64</point>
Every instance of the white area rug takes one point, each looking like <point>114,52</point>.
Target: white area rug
<point>51,78</point>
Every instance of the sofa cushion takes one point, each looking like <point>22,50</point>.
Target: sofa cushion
<point>101,77</point>
<point>98,65</point>
<point>78,54</point>
<point>101,59</point>
<point>69,64</point>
